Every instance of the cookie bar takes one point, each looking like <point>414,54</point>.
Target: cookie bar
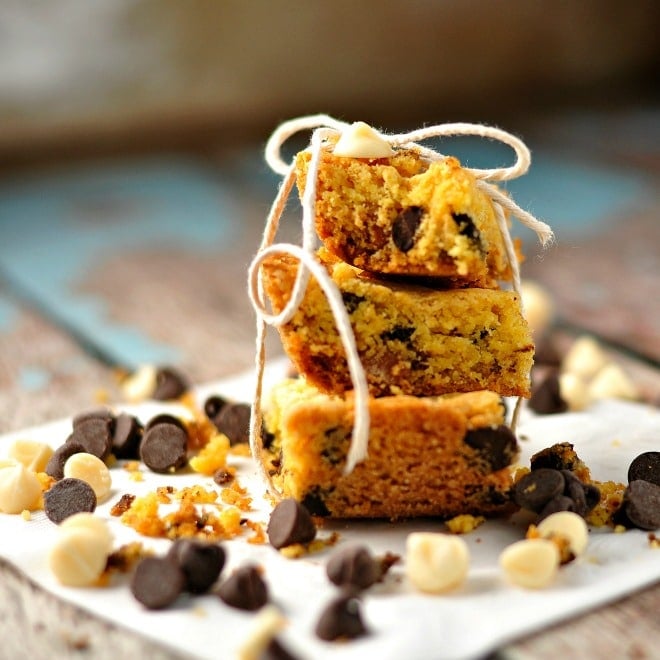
<point>436,456</point>
<point>403,215</point>
<point>411,339</point>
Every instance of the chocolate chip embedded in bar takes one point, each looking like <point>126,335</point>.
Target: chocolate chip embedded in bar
<point>641,504</point>
<point>290,523</point>
<point>405,226</point>
<point>200,562</point>
<point>244,589</point>
<point>68,496</point>
<point>497,445</point>
<point>341,619</point>
<point>646,467</point>
<point>157,582</point>
<point>164,447</point>
<point>354,566</point>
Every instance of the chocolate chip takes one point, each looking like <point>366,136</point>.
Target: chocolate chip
<point>126,437</point>
<point>234,421</point>
<point>555,505</point>
<point>222,477</point>
<point>404,227</point>
<point>68,496</point>
<point>157,582</point>
<point>200,562</point>
<point>353,566</point>
<point>95,435</point>
<point>314,503</point>
<point>290,523</point>
<point>213,405</point>
<point>537,488</point>
<point>341,619</point>
<point>466,226</point>
<point>560,456</point>
<point>55,465</point>
<point>351,300</point>
<point>574,489</point>
<point>497,445</point>
<point>546,398</point>
<point>163,447</point>
<point>646,467</point>
<point>591,495</point>
<point>546,352</point>
<point>275,650</point>
<point>641,503</point>
<point>96,413</point>
<point>164,418</point>
<point>398,333</point>
<point>244,589</point>
<point>170,384</point>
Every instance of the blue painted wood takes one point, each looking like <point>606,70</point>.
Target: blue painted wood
<point>55,228</point>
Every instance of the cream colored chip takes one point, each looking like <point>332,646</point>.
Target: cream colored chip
<point>92,523</point>
<point>538,307</point>
<point>34,455</point>
<point>92,470</point>
<point>584,358</point>
<point>436,562</point>
<point>612,382</point>
<point>359,140</point>
<point>78,557</point>
<point>531,563</point>
<point>19,487</point>
<point>141,384</point>
<point>569,525</point>
<point>573,389</point>
<point>267,624</point>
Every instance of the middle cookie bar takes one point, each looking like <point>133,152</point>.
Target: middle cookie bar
<point>411,339</point>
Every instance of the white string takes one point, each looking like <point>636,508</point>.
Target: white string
<point>324,127</point>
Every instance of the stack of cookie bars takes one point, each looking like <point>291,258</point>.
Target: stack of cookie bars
<point>416,252</point>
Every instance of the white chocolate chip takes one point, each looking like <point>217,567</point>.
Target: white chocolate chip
<point>359,140</point>
<point>267,624</point>
<point>573,389</point>
<point>34,455</point>
<point>611,382</point>
<point>584,358</point>
<point>78,557</point>
<point>531,563</point>
<point>569,525</point>
<point>141,384</point>
<point>92,470</point>
<point>92,523</point>
<point>19,487</point>
<point>436,562</point>
<point>538,307</point>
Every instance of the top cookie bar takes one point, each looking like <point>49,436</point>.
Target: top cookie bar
<point>402,215</point>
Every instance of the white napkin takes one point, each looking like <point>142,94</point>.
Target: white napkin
<point>471,621</point>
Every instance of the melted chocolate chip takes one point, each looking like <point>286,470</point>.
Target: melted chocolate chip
<point>170,384</point>
<point>351,300</point>
<point>497,445</point>
<point>157,582</point>
<point>646,467</point>
<point>163,447</point>
<point>641,504</point>
<point>313,502</point>
<point>55,465</point>
<point>67,497</point>
<point>537,488</point>
<point>546,398</point>
<point>126,437</point>
<point>290,522</point>
<point>200,562</point>
<point>353,566</point>
<point>234,421</point>
<point>399,333</point>
<point>244,589</point>
<point>405,226</point>
<point>341,619</point>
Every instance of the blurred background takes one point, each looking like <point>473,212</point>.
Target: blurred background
<point>133,189</point>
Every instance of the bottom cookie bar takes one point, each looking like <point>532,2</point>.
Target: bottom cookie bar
<point>440,456</point>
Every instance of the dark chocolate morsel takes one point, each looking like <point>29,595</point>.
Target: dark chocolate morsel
<point>591,495</point>
<point>95,435</point>
<point>157,582</point>
<point>545,352</point>
<point>555,505</point>
<point>126,437</point>
<point>641,503</point>
<point>67,497</point>
<point>95,413</point>
<point>575,490</point>
<point>275,650</point>
<point>170,384</point>
<point>164,447</point>
<point>244,589</point>
<point>213,405</point>
<point>546,398</point>
<point>164,418</point>
<point>234,421</point>
<point>313,502</point>
<point>353,566</point>
<point>537,488</point>
<point>466,226</point>
<point>200,562</point>
<point>497,445</point>
<point>405,226</point>
<point>290,523</point>
<point>55,465</point>
<point>341,619</point>
<point>645,467</point>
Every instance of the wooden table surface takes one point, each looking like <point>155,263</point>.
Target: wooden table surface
<point>114,264</point>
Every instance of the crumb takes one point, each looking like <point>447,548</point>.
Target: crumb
<point>611,497</point>
<point>122,505</point>
<point>241,449</point>
<point>620,529</point>
<point>26,515</point>
<point>212,457</point>
<point>298,550</point>
<point>464,523</point>
<point>259,536</point>
<point>654,541</point>
<point>237,496</point>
